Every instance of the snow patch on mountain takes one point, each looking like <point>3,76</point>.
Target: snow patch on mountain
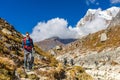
<point>98,13</point>
<point>95,20</point>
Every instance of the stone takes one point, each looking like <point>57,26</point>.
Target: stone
<point>103,37</point>
<point>52,52</point>
<point>58,48</point>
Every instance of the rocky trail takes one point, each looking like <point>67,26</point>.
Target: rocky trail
<point>103,65</point>
<point>28,75</point>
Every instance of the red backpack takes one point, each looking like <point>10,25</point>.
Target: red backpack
<point>28,48</point>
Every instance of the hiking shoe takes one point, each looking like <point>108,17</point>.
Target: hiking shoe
<point>28,70</point>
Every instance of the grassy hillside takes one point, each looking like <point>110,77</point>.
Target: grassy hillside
<point>93,42</point>
<point>11,52</point>
<point>45,65</point>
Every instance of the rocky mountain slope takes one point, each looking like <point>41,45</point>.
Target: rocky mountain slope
<point>10,50</point>
<point>115,21</point>
<point>98,53</point>
<point>46,67</point>
<point>50,43</point>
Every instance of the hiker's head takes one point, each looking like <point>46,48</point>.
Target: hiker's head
<point>27,34</point>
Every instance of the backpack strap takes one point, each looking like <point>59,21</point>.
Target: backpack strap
<point>30,40</point>
<point>24,40</point>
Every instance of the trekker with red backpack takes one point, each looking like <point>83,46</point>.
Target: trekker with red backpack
<point>27,45</point>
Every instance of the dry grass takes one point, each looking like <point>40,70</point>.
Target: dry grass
<point>21,72</point>
<point>66,73</point>
<point>53,73</point>
<point>113,63</point>
<point>7,68</point>
<point>78,73</point>
<point>49,58</point>
<point>93,42</point>
<point>7,63</point>
<point>5,50</point>
<point>4,76</point>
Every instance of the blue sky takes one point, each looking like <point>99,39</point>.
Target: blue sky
<point>24,15</point>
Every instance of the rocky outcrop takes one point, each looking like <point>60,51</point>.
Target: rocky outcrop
<point>103,65</point>
<point>116,20</point>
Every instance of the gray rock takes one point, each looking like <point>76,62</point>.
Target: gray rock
<point>58,48</point>
<point>52,52</point>
<point>103,37</point>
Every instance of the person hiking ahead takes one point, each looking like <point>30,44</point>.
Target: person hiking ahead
<point>27,45</point>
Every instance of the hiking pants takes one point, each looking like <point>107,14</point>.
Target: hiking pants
<point>28,57</point>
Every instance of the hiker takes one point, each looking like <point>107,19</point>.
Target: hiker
<point>65,61</point>
<point>71,62</point>
<point>27,45</point>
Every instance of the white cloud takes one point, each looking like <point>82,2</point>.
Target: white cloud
<point>92,1</point>
<point>115,1</point>
<point>56,27</point>
<point>97,3</point>
<point>88,2</point>
<point>93,26</point>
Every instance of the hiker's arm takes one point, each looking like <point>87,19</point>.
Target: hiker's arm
<point>32,44</point>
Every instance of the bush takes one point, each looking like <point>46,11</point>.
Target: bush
<point>7,68</point>
<point>5,50</point>
<point>78,73</point>
<point>7,63</point>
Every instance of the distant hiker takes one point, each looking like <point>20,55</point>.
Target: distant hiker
<point>27,45</point>
<point>65,61</point>
<point>71,62</point>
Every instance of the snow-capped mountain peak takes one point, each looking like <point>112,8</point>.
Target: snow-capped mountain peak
<point>96,19</point>
<point>113,11</point>
<point>91,11</point>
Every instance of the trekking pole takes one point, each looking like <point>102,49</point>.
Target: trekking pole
<point>33,52</point>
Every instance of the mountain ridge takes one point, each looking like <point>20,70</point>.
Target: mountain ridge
<point>50,43</point>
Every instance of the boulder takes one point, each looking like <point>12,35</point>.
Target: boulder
<point>58,48</point>
<point>103,37</point>
<point>52,52</point>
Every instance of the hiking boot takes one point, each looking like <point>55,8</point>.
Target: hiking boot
<point>28,70</point>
